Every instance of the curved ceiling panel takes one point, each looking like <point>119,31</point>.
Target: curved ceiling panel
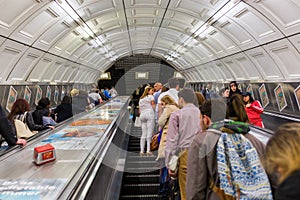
<point>207,40</point>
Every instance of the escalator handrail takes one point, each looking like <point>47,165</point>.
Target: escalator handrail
<point>83,184</point>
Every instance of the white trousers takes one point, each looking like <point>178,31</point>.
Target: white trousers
<point>147,118</point>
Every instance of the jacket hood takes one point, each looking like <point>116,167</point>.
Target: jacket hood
<point>229,126</point>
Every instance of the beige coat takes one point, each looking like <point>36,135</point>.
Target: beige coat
<point>161,122</point>
<point>202,164</point>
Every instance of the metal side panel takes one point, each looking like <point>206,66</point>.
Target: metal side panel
<point>76,144</point>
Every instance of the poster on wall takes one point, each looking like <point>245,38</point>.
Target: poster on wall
<point>48,92</point>
<point>297,96</point>
<point>38,95</point>
<point>27,94</point>
<point>250,90</point>
<point>280,98</point>
<point>68,89</point>
<point>56,92</point>
<point>63,92</point>
<point>239,86</point>
<point>263,95</point>
<point>12,97</point>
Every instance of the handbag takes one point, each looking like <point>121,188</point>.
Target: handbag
<point>137,122</point>
<point>22,129</point>
<point>154,142</point>
<point>174,189</point>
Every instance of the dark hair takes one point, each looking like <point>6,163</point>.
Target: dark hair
<point>66,100</point>
<point>214,109</point>
<point>173,82</point>
<point>250,96</point>
<point>188,95</point>
<point>237,89</point>
<point>233,82</point>
<point>19,107</point>
<point>236,110</point>
<point>44,102</point>
<point>223,90</point>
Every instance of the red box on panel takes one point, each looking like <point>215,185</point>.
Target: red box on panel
<point>44,154</point>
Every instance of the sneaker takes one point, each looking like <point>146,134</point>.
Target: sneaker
<point>142,154</point>
<point>149,153</point>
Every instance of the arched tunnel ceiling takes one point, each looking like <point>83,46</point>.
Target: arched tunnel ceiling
<point>206,40</point>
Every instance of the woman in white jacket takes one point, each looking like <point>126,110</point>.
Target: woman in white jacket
<point>146,109</point>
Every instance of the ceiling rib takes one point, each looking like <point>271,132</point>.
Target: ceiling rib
<point>160,24</point>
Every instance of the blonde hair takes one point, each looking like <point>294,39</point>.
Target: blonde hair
<point>283,150</point>
<point>168,100</point>
<point>145,93</point>
<point>74,92</point>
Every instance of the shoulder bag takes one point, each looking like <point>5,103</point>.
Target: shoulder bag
<point>154,144</point>
<point>22,129</point>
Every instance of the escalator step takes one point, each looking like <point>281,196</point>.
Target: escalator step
<point>141,170</point>
<point>139,163</point>
<point>142,188</point>
<point>136,179</point>
<point>146,197</point>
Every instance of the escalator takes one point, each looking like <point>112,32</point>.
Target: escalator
<point>141,174</point>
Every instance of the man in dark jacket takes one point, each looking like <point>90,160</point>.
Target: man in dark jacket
<point>7,131</point>
<point>42,109</point>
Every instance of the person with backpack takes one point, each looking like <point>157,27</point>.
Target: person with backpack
<point>219,167</point>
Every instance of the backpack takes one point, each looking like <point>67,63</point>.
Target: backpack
<point>241,175</point>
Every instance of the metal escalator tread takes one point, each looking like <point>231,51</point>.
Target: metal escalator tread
<point>141,176</point>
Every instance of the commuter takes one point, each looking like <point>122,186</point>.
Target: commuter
<point>42,109</point>
<point>207,92</point>
<point>234,88</point>
<point>164,89</point>
<point>253,109</point>
<point>204,178</point>
<point>146,110</point>
<point>183,126</point>
<point>95,97</point>
<point>169,106</point>
<point>282,157</point>
<point>134,102</point>
<point>113,92</point>
<point>106,93</point>
<point>80,101</point>
<point>103,97</point>
<point>172,92</point>
<point>200,98</point>
<point>18,110</point>
<point>236,109</point>
<point>48,121</point>
<point>8,132</point>
<point>224,93</point>
<point>64,110</point>
<point>157,90</point>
